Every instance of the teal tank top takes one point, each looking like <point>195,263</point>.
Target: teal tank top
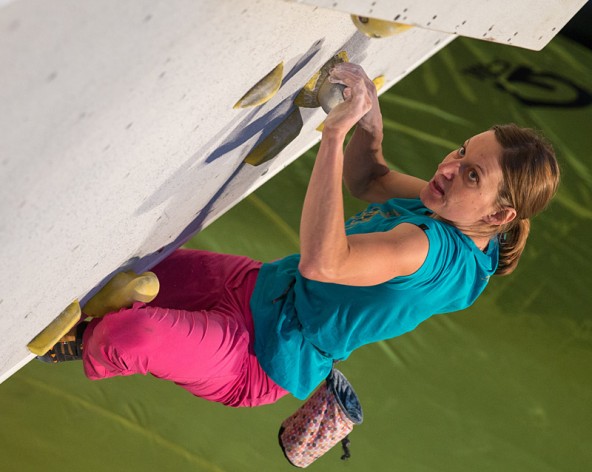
<point>302,326</point>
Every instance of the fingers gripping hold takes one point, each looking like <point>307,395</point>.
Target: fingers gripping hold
<point>359,87</point>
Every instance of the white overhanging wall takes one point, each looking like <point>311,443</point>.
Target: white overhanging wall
<point>118,135</point>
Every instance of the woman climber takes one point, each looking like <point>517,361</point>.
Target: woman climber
<point>232,330</point>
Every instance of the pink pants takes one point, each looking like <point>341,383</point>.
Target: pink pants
<point>197,333</point>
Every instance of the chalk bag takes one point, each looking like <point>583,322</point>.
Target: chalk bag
<point>325,419</point>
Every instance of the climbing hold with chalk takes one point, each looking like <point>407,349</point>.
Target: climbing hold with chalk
<point>375,28</point>
<point>50,335</point>
<point>122,291</point>
<point>277,140</point>
<point>263,90</point>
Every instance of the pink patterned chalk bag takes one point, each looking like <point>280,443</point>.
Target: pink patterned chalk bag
<point>326,418</point>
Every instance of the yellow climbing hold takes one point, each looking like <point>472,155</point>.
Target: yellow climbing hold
<point>379,82</point>
<point>263,90</point>
<point>277,140</point>
<point>375,28</point>
<point>308,97</point>
<point>122,291</point>
<point>47,338</point>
